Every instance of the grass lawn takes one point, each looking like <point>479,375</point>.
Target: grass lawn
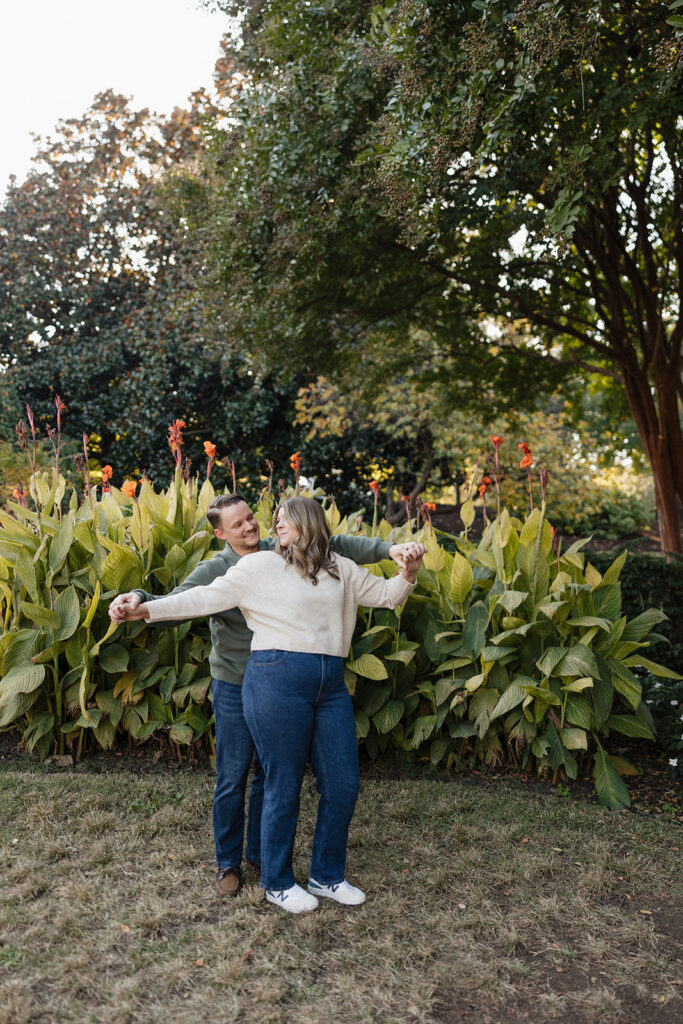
<point>485,905</point>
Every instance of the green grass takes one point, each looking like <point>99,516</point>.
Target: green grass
<point>484,906</point>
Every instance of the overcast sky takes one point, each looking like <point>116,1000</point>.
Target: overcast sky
<point>57,54</point>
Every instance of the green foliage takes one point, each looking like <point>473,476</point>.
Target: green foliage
<point>68,673</point>
<point>488,192</point>
<point>97,304</point>
<point>506,650</point>
<point>647,580</point>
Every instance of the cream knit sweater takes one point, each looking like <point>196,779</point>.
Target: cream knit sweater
<point>285,611</point>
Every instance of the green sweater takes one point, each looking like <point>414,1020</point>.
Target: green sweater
<point>230,635</point>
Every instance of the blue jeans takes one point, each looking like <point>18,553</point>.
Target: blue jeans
<point>296,706</point>
<point>234,753</point>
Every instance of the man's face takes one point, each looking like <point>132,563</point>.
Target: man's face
<point>239,528</point>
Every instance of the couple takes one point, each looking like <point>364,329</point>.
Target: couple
<point>300,602</point>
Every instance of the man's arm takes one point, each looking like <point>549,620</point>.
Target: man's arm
<point>367,550</point>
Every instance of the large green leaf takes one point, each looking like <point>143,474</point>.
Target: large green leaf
<point>462,578</point>
<point>578,661</point>
<point>474,633</point>
<point>68,608</point>
<point>61,543</point>
<point>374,697</point>
<point>369,666</point>
<point>511,599</point>
<point>550,659</point>
<point>630,725</point>
<point>625,682</point>
<point>121,569</point>
<point>40,726</point>
<point>614,571</point>
<point>609,787</point>
<point>22,679</point>
<point>114,658</point>
<point>40,615</point>
<point>574,739</point>
<point>508,700</point>
<point>19,649</point>
<point>653,667</point>
<point>362,723</point>
<point>424,727</point>
<point>638,628</point>
<point>388,717</point>
<point>26,572</point>
<point>579,711</point>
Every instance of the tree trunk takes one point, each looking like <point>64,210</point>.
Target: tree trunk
<point>660,432</point>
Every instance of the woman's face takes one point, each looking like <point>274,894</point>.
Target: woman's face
<point>286,533</point>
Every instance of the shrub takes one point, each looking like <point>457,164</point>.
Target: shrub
<point>647,580</point>
<point>507,650</point>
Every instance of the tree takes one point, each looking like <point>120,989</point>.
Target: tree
<point>449,167</point>
<point>98,304</point>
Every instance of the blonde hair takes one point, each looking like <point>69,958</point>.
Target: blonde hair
<point>310,551</point>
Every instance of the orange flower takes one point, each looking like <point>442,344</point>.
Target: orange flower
<point>496,441</point>
<point>525,447</point>
<point>374,486</point>
<point>210,450</point>
<point>295,460</point>
<point>430,506</point>
<point>16,493</point>
<point>128,488</point>
<point>107,473</point>
<point>175,439</point>
<point>482,490</point>
<point>526,461</point>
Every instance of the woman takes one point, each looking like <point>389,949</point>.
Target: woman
<point>300,602</point>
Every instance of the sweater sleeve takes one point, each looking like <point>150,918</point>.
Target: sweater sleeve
<point>375,591</point>
<point>205,573</point>
<point>363,550</point>
<point>225,592</point>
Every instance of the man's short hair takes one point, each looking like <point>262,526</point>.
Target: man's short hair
<point>213,513</point>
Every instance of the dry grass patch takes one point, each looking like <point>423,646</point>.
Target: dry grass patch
<point>484,906</point>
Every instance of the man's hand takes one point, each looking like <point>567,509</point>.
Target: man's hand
<point>412,549</point>
<point>126,608</point>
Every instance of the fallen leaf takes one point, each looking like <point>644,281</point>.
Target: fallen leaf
<point>184,995</point>
<point>201,962</point>
<point>124,928</point>
<point>462,906</point>
<point>646,912</point>
<point>172,856</point>
<point>526,839</point>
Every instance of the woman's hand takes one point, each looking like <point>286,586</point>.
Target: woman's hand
<point>128,608</point>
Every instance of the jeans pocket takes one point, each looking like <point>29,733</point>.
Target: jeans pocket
<point>269,657</point>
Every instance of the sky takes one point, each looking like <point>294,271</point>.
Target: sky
<point>57,54</point>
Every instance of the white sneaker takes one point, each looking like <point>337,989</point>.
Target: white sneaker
<point>342,892</point>
<point>295,899</point>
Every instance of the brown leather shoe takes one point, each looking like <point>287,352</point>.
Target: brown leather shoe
<point>228,881</point>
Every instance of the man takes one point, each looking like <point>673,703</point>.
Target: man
<point>234,522</point>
